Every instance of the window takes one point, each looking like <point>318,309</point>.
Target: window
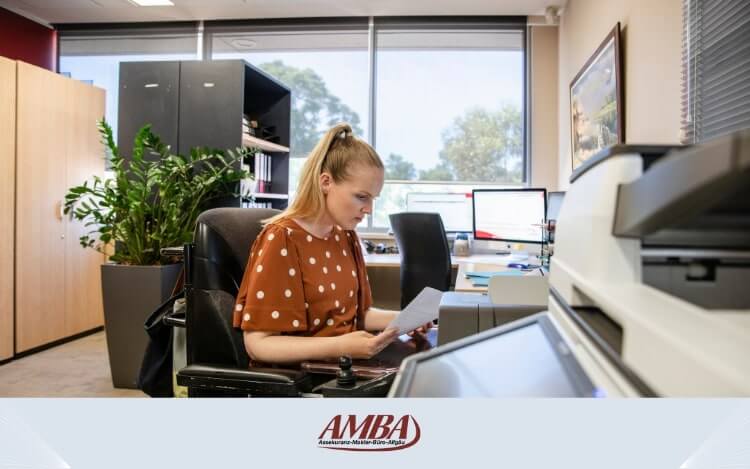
<point>716,68</point>
<point>449,107</point>
<point>325,64</point>
<point>93,54</point>
<point>442,100</point>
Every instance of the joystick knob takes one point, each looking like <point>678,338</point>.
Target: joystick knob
<point>345,376</point>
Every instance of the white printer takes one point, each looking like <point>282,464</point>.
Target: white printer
<point>650,281</point>
<point>649,288</point>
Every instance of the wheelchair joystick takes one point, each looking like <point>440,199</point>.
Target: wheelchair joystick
<point>345,376</point>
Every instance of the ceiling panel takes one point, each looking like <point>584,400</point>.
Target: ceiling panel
<point>113,11</point>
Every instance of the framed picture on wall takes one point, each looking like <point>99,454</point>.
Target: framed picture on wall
<point>596,103</point>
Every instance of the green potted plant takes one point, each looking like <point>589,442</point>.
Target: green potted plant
<point>148,204</point>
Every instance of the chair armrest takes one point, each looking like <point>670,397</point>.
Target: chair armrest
<point>270,382</point>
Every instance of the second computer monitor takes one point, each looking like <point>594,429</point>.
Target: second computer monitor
<point>454,208</point>
<point>514,215</point>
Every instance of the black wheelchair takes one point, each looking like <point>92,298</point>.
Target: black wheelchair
<point>217,363</point>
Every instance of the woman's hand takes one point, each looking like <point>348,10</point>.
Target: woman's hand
<point>421,330</point>
<point>362,344</point>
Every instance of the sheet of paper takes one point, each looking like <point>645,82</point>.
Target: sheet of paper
<point>421,310</point>
<point>510,273</point>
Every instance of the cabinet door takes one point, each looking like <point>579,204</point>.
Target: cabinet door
<point>148,95</point>
<point>211,103</point>
<point>7,192</point>
<point>83,294</point>
<point>43,110</point>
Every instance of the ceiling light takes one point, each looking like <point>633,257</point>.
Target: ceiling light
<point>153,3</point>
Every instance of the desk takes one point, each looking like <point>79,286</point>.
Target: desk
<point>472,263</point>
<point>394,260</point>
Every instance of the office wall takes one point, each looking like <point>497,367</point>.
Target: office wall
<point>651,58</point>
<point>23,39</point>
<point>544,102</point>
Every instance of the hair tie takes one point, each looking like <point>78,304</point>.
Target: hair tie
<point>344,133</point>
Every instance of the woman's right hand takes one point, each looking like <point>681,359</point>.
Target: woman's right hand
<point>362,344</point>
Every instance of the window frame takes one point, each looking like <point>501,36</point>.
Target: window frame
<point>206,30</point>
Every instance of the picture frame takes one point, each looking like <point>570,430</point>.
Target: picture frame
<point>596,101</point>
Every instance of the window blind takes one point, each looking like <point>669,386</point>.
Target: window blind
<point>715,68</point>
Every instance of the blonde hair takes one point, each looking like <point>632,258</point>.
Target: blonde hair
<point>335,153</point>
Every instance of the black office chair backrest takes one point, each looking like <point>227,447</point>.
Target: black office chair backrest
<point>425,255</point>
<point>223,237</point>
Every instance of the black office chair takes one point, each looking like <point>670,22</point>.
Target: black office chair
<point>217,363</point>
<point>425,255</point>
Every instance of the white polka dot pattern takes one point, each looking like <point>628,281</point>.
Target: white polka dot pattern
<point>306,278</point>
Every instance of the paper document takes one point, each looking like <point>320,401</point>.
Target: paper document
<point>421,310</point>
<point>511,273</point>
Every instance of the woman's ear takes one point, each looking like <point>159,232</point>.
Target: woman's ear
<point>325,182</point>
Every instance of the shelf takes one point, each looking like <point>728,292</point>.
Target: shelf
<point>267,195</point>
<point>250,142</point>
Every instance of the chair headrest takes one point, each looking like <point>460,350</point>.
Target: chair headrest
<point>237,226</point>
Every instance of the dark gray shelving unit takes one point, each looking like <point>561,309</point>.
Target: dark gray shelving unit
<point>201,103</point>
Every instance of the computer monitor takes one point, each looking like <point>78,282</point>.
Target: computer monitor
<point>454,208</point>
<point>554,201</point>
<point>514,215</point>
<point>526,358</point>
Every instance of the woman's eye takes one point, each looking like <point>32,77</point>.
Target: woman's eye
<point>363,198</point>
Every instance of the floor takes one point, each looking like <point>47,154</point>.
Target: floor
<point>76,369</point>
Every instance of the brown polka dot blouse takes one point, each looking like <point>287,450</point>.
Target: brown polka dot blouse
<point>297,283</point>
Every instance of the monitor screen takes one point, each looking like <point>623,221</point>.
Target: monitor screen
<point>523,359</point>
<point>554,201</point>
<point>454,209</point>
<point>515,215</point>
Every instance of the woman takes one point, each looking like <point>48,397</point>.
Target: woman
<point>305,294</point>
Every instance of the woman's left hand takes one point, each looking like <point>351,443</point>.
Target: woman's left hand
<point>421,331</point>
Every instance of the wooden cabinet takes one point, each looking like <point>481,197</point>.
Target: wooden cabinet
<point>7,201</point>
<point>57,282</point>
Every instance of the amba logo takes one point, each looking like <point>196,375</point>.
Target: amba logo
<point>382,432</point>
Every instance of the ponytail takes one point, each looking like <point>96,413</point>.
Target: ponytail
<point>334,153</point>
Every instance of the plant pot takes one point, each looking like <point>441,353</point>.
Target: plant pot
<point>131,293</point>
